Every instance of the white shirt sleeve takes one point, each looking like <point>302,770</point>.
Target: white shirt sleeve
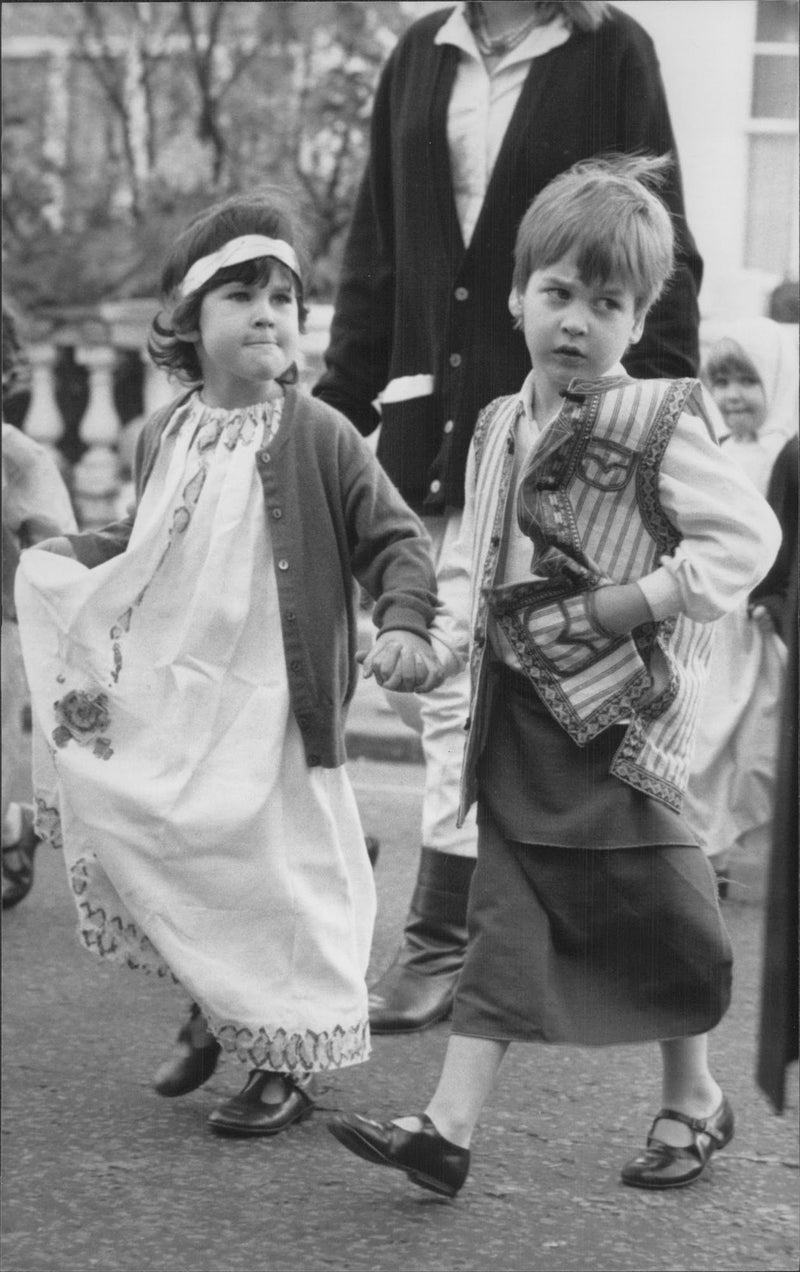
<point>729,534</point>
<point>450,631</point>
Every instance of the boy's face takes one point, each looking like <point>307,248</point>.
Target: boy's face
<point>574,329</point>
<point>248,334</point>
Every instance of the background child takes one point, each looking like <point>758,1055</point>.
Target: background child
<point>191,684</point>
<point>752,373</point>
<point>593,915</point>
<point>36,505</point>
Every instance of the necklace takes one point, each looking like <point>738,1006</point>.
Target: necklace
<point>501,44</point>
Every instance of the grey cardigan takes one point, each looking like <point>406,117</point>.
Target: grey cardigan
<point>334,518</point>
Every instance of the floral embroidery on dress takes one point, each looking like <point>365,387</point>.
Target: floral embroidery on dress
<point>83,717</point>
<point>47,823</point>
<point>214,423</point>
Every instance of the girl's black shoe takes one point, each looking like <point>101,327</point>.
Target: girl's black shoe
<point>427,1158</point>
<point>17,862</point>
<point>190,1066</point>
<point>663,1166</point>
<point>248,1114</point>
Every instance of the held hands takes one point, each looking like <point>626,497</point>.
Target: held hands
<point>403,662</point>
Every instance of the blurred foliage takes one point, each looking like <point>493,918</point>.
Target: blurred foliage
<point>140,114</point>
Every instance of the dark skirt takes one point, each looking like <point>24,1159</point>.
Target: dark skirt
<point>545,789</point>
<point>577,946</point>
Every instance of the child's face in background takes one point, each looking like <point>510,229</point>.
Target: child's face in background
<point>739,394</point>
<point>248,335</point>
<point>573,328</point>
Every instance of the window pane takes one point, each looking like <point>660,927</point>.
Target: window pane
<point>772,186</point>
<point>776,22</point>
<point>774,87</point>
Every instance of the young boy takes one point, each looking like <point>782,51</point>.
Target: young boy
<point>603,532</point>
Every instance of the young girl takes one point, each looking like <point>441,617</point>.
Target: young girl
<point>36,505</point>
<point>190,685</point>
<point>599,541</point>
<point>752,373</point>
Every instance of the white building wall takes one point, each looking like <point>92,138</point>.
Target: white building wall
<point>705,48</point>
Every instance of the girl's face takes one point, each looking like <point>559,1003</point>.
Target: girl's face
<point>248,334</point>
<point>739,394</point>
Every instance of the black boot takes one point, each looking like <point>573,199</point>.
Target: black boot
<point>419,986</point>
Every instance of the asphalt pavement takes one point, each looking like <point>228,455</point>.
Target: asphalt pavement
<point>99,1172</point>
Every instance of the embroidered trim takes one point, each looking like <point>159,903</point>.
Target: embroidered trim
<point>295,1053</point>
<point>653,446</point>
<point>213,424</point>
<point>47,823</point>
<point>109,935</point>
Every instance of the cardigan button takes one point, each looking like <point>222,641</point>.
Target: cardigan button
<point>295,665</point>
<point>283,565</point>
<point>449,426</point>
<point>455,359</point>
<point>461,293</point>
<point>263,457</point>
<point>276,514</point>
<point>435,487</point>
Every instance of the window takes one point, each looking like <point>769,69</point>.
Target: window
<point>772,220</point>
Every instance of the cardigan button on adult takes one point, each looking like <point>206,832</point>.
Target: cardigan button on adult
<point>455,359</point>
<point>461,293</point>
<point>435,487</point>
<point>449,426</point>
<point>283,564</point>
<point>263,457</point>
<point>295,665</point>
<point>276,514</point>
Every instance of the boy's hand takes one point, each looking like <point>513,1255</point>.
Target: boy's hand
<point>59,544</point>
<point>404,662</point>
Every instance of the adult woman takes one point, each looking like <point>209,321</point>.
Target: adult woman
<point>478,108</point>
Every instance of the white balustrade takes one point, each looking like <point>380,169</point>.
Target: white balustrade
<point>96,475</point>
<point>43,421</point>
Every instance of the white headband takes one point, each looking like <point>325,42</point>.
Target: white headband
<point>250,247</point>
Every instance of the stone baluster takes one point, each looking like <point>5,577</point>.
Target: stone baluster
<point>43,420</point>
<point>96,475</point>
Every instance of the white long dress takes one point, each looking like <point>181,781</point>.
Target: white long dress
<point>198,842</point>
<point>730,798</point>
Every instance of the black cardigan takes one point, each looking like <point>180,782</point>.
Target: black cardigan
<point>412,300</point>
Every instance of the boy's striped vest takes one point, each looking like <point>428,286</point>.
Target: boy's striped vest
<point>588,499</point>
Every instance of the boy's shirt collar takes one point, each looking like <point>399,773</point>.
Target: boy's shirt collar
<point>525,395</point>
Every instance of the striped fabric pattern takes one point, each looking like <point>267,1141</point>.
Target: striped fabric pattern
<point>590,492</point>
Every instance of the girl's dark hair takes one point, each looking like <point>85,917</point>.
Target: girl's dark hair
<point>261,212</point>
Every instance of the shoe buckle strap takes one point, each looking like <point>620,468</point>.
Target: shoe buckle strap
<point>697,1124</point>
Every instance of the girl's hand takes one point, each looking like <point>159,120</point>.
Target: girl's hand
<point>404,662</point>
<point>619,607</point>
<point>762,618</point>
<point>59,544</point>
